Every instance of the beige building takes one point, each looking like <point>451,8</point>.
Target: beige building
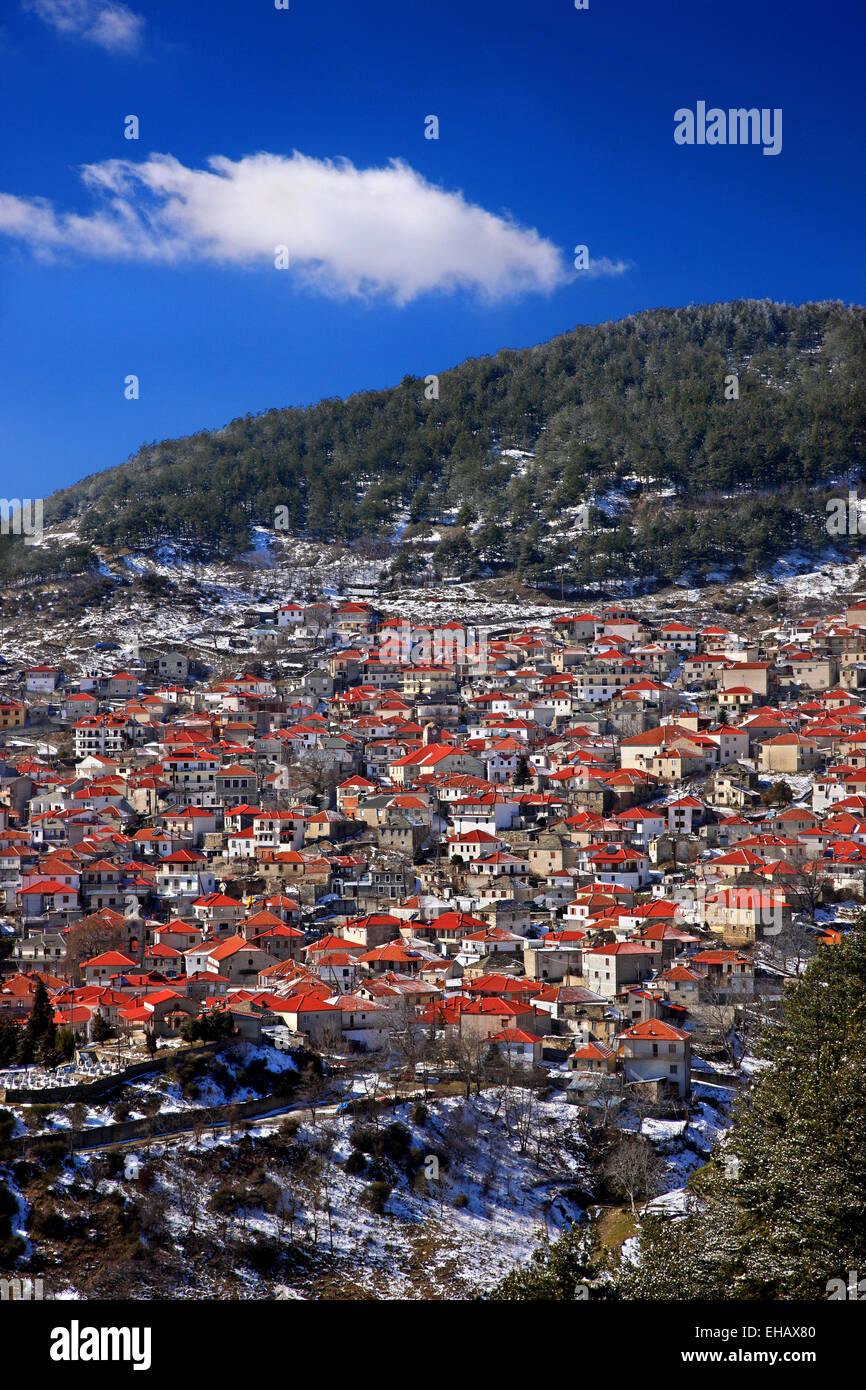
<point>753,675</point>
<point>655,1051</point>
<point>610,969</point>
<point>789,753</point>
<point>486,1016</point>
<point>818,672</point>
<point>742,916</point>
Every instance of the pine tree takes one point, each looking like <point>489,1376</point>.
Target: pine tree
<point>570,1270</point>
<point>39,1033</point>
<point>101,1030</point>
<point>783,1210</point>
<point>10,1040</point>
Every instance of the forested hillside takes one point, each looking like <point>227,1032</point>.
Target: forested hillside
<point>629,417</point>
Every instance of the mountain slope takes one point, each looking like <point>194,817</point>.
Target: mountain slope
<point>629,417</point>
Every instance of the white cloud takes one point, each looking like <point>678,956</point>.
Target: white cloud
<point>108,23</point>
<point>383,231</point>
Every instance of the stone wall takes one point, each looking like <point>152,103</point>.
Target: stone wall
<point>93,1090</point>
<point>172,1122</point>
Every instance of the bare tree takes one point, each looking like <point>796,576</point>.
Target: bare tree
<point>90,937</point>
<point>471,1053</point>
<point>716,1016</point>
<point>371,1076</point>
<point>189,1199</point>
<point>315,1089</point>
<point>793,948</point>
<point>313,1181</point>
<point>408,1046</point>
<point>326,1186</point>
<point>319,773</point>
<point>288,1210</point>
<point>607,1097</point>
<point>634,1170</point>
<point>805,889</point>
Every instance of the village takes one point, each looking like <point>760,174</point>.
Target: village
<point>580,858</point>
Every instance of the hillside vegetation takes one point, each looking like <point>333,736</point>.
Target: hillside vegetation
<point>629,417</point>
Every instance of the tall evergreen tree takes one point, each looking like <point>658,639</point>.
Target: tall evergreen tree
<point>523,773</point>
<point>39,1032</point>
<point>781,1210</point>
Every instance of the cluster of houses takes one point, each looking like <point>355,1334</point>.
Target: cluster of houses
<point>555,844</point>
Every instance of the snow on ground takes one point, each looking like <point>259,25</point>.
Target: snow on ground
<point>750,1066</point>
<point>840,915</point>
<point>663,1130</point>
<point>674,1203</point>
<point>513,1170</point>
<point>801,783</point>
<point>207,602</point>
<point>801,578</point>
<point>136,1095</point>
<point>509,1179</point>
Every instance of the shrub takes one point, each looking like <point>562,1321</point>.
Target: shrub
<point>461,1201</point>
<point>392,1142</point>
<point>54,1154</point>
<point>267,1195</point>
<point>262,1255</point>
<point>51,1223</point>
<point>215,1026</point>
<point>309,1063</point>
<point>225,1079</point>
<point>8,1204</point>
<point>113,1163</point>
<point>147,1176</point>
<point>191,1069</point>
<point>365,1139</point>
<point>396,1141</point>
<point>375,1197</point>
<point>226,1200</point>
<point>355,1164</point>
<point>11,1249</point>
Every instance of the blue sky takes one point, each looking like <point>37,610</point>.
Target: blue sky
<point>556,128</point>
